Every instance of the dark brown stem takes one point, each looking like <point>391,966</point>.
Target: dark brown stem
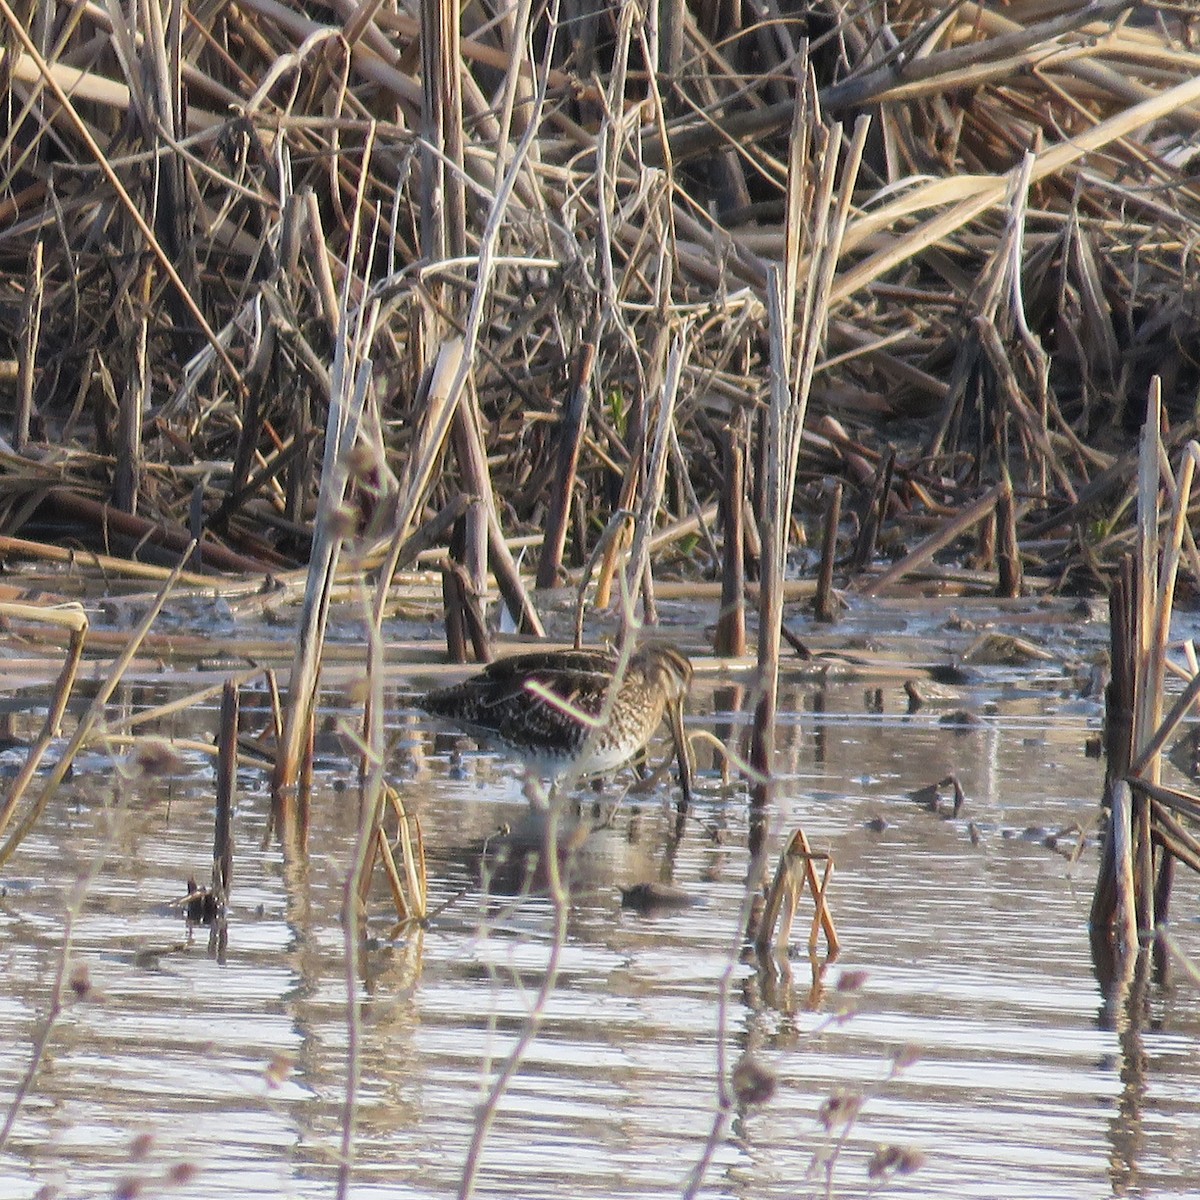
<point>1008,554</point>
<point>730,640</point>
<point>823,602</point>
<point>570,435</point>
<point>227,761</point>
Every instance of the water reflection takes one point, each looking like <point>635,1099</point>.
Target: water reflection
<point>963,1019</point>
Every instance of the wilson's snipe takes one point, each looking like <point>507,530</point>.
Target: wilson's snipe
<point>553,740</point>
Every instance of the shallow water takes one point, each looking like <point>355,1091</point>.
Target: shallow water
<point>970,1024</point>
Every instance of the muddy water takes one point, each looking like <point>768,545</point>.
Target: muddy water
<point>969,1027</point>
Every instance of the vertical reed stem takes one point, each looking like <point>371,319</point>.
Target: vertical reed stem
<point>730,640</point>
<point>127,473</point>
<point>227,761</point>
<point>1008,552</point>
<point>570,435</point>
<point>823,605</point>
<point>27,349</point>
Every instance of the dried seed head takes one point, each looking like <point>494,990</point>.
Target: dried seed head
<point>81,981</point>
<point>362,461</point>
<point>851,981</point>
<point>894,1160</point>
<point>343,522</point>
<point>840,1109</point>
<point>278,1069</point>
<point>753,1083</point>
<point>141,1146</point>
<point>358,691</point>
<point>157,757</point>
<point>182,1174</point>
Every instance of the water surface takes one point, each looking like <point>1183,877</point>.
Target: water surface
<point>969,1029</point>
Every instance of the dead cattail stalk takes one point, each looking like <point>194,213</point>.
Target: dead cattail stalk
<point>467,435</point>
<point>816,220</point>
<point>1124,919</point>
<point>1140,849</point>
<point>443,203</point>
<point>453,605</point>
<point>128,467</point>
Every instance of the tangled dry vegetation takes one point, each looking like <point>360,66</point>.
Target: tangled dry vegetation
<point>220,221</point>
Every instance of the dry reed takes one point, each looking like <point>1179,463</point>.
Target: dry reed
<point>1010,270</point>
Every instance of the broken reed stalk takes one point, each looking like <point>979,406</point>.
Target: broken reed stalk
<point>1138,857</point>
<point>351,381</point>
<point>469,450</point>
<point>436,404</point>
<point>874,511</point>
<point>227,765</point>
<point>1149,646</point>
<point>795,870</point>
<point>87,722</point>
<point>127,470</point>
<point>946,533</point>
<point>453,608</point>
<point>784,424</point>
<point>1009,580</point>
<point>823,602</point>
<point>464,616</point>
<point>410,892</point>
<point>772,534</point>
<point>816,223</point>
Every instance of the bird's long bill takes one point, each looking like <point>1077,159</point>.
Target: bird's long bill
<point>682,749</point>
